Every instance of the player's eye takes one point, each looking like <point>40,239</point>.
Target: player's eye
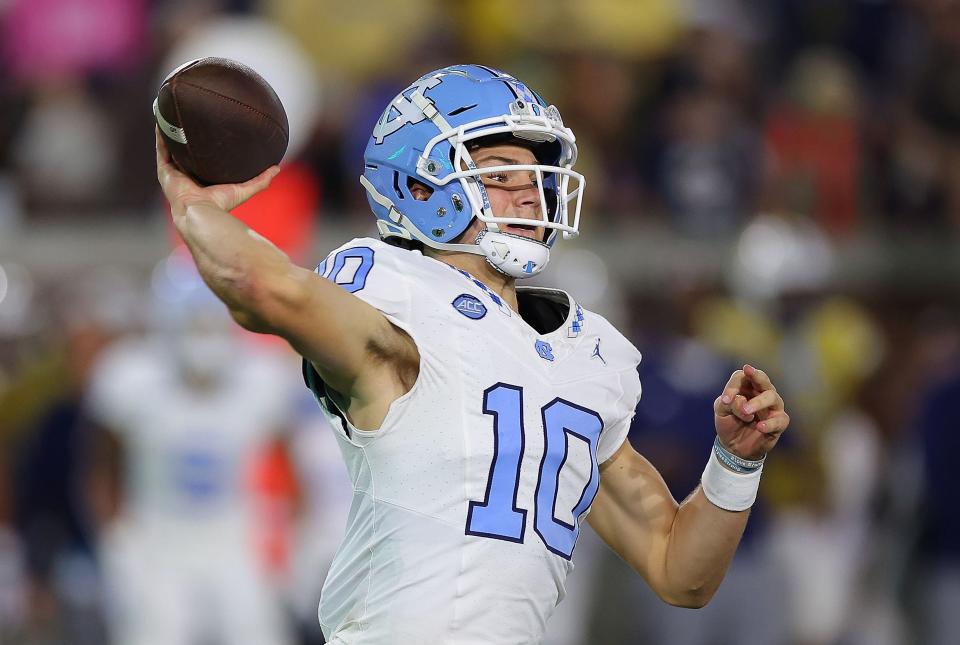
<point>514,179</point>
<point>496,179</point>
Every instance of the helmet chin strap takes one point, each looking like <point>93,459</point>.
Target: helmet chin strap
<point>513,255</point>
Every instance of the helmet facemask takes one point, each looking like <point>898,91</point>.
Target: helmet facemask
<point>559,188</point>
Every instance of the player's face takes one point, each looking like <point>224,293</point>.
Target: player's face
<point>203,347</point>
<point>513,193</point>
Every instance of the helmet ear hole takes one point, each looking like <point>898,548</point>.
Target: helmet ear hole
<point>420,191</point>
<point>396,184</point>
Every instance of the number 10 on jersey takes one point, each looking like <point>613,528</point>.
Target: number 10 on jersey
<point>498,516</point>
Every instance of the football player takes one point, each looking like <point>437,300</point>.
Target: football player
<point>184,413</point>
<point>481,422</point>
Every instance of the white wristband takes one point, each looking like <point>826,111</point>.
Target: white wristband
<point>729,490</point>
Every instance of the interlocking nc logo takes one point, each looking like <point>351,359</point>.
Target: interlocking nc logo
<point>403,109</point>
<point>544,350</point>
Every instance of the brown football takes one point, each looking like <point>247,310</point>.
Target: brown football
<point>221,121</point>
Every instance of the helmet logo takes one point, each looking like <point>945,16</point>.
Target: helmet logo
<point>406,110</point>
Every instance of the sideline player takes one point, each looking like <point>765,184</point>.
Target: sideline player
<point>480,421</point>
<point>183,413</point>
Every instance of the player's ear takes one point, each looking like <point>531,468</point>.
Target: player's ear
<point>421,192</point>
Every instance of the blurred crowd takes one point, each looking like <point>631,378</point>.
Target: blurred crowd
<point>786,135</point>
<point>699,113</point>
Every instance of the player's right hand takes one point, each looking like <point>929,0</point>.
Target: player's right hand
<point>182,191</point>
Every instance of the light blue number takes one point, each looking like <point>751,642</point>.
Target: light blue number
<point>497,516</point>
<point>359,279</point>
<point>562,421</point>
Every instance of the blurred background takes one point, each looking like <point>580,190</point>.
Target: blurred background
<point>773,181</point>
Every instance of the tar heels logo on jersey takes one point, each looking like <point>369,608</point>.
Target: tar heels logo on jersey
<point>469,306</point>
<point>544,349</point>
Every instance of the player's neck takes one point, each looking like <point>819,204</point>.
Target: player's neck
<point>477,266</point>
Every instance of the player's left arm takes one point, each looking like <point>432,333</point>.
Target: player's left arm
<point>683,550</point>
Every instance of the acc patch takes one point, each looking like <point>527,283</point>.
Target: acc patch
<point>469,306</point>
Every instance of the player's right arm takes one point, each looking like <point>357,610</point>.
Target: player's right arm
<point>355,349</point>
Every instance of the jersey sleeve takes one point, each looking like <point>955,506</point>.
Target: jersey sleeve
<point>624,359</point>
<point>372,271</point>
<point>613,436</point>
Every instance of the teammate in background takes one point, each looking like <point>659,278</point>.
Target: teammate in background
<point>184,413</point>
<point>480,421</point>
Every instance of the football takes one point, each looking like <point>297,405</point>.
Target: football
<point>221,121</point>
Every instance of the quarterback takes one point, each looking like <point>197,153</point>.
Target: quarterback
<point>481,422</point>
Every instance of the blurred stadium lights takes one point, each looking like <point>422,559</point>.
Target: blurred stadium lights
<point>16,298</point>
<point>176,288</point>
<point>582,271</point>
<point>776,254</point>
<point>171,276</point>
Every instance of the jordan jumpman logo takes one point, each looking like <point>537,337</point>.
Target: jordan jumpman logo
<point>596,352</point>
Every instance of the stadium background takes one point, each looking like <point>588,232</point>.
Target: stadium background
<point>775,182</point>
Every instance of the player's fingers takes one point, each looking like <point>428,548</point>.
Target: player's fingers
<point>775,424</point>
<point>735,381</point>
<point>735,407</point>
<point>764,400</point>
<point>163,155</point>
<point>723,404</point>
<point>740,408</point>
<point>261,181</point>
<point>759,377</point>
<point>249,188</point>
<point>166,170</point>
<point>160,154</point>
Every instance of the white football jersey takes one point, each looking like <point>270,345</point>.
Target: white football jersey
<point>189,453</point>
<point>470,497</point>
